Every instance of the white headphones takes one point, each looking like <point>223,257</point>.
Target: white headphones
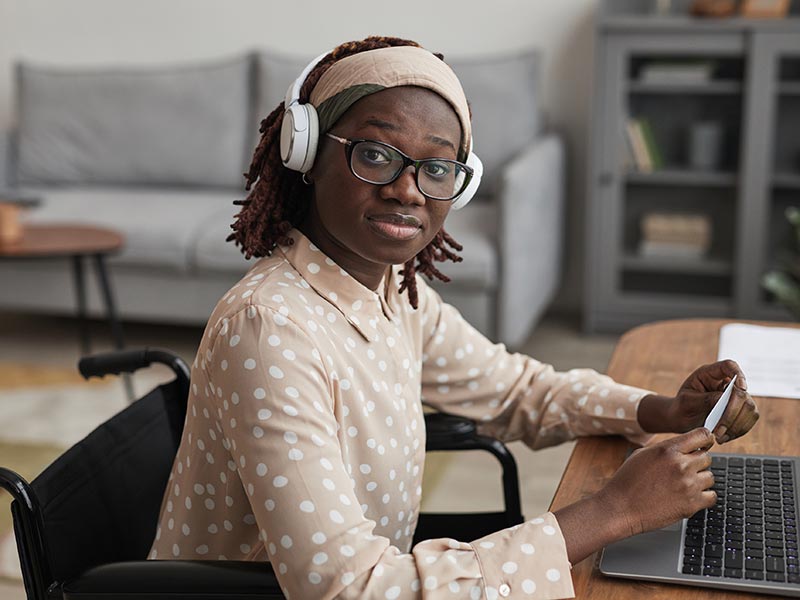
<point>300,136</point>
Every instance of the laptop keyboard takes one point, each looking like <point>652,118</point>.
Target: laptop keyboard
<point>751,533</point>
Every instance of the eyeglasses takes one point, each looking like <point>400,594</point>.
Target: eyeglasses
<point>381,164</point>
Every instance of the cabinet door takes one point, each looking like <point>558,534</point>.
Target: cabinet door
<point>771,180</point>
<point>630,281</point>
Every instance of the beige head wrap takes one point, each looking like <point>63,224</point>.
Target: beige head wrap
<point>359,75</point>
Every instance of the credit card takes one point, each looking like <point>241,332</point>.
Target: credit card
<point>712,420</point>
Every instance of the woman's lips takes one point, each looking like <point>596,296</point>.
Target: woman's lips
<point>395,226</point>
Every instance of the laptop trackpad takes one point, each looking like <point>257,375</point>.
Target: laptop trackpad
<point>652,553</point>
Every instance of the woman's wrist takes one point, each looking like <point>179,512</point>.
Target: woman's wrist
<point>655,413</point>
<point>591,524</point>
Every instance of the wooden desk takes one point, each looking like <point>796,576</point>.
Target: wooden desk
<point>658,357</point>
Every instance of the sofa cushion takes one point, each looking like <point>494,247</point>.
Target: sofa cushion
<point>503,95</point>
<point>161,226</point>
<point>184,125</point>
<point>211,252</point>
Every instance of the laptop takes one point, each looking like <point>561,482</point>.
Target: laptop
<point>748,541</point>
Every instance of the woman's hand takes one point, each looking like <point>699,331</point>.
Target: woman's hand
<point>695,399</point>
<point>656,486</point>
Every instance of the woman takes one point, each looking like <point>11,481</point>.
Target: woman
<point>304,443</point>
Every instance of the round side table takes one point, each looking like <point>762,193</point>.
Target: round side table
<point>75,243</point>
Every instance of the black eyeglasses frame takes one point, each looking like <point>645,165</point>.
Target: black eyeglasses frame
<point>349,144</point>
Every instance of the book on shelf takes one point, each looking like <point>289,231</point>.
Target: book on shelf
<point>677,72</point>
<point>675,235</point>
<point>643,149</point>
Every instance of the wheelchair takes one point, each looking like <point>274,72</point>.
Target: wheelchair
<point>85,525</point>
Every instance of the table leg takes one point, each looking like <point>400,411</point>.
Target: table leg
<point>80,296</point>
<point>108,298</point>
<point>113,318</point>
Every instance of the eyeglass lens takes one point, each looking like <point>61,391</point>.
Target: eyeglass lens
<point>436,178</point>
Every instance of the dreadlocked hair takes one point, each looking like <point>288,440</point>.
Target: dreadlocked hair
<point>278,200</point>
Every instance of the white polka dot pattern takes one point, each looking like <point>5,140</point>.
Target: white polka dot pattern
<point>304,442</point>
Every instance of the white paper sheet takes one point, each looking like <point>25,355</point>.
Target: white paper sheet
<point>768,356</point>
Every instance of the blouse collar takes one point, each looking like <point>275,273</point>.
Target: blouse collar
<point>361,306</point>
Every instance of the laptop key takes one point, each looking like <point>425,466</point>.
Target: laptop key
<point>754,575</point>
<point>776,565</point>
<point>733,559</point>
<point>734,573</point>
<point>695,541</point>
<point>692,560</point>
<point>754,564</point>
<point>714,550</point>
<point>793,578</point>
<point>775,577</point>
<point>713,571</point>
<point>691,569</point>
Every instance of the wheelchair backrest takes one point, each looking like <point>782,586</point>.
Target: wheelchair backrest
<point>101,499</point>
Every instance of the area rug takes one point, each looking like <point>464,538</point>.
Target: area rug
<point>43,411</point>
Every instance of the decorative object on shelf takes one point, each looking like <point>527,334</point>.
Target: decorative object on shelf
<point>677,71</point>
<point>705,145</point>
<point>713,8</point>
<point>785,283</point>
<point>10,225</point>
<point>643,151</point>
<point>675,235</point>
<point>764,9</point>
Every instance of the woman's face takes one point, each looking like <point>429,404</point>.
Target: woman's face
<point>356,223</point>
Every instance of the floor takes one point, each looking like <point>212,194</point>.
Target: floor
<point>557,340</point>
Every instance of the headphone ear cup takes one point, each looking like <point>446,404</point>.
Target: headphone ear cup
<point>313,138</point>
<point>472,187</point>
<point>299,136</point>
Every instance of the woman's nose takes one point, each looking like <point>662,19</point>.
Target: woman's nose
<point>404,189</point>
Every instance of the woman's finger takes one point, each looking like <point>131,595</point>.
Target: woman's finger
<point>744,421</point>
<point>717,374</point>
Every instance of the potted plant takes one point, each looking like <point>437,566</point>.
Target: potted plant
<point>785,283</point>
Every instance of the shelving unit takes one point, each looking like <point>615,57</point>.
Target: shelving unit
<point>753,93</point>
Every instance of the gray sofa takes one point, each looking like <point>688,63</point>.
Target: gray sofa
<point>158,154</point>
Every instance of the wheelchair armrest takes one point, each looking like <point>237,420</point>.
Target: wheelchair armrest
<point>447,432</point>
<point>176,580</point>
<point>130,361</point>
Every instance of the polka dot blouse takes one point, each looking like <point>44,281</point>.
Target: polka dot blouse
<point>304,442</point>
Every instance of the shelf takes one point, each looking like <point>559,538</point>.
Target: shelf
<point>709,87</point>
<point>789,88</point>
<point>682,177</point>
<point>699,266</point>
<point>786,180</point>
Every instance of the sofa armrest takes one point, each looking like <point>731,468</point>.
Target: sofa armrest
<point>530,236</point>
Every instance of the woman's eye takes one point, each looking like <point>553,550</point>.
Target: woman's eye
<point>375,155</point>
<point>437,169</point>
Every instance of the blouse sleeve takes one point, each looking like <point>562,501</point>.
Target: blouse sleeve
<point>281,430</point>
<point>512,396</point>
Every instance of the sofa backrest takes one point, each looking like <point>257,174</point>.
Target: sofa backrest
<point>503,93</point>
<point>183,125</point>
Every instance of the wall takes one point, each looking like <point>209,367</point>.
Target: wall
<point>102,32</point>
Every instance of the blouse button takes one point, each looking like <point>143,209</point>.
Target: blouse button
<point>504,590</point>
